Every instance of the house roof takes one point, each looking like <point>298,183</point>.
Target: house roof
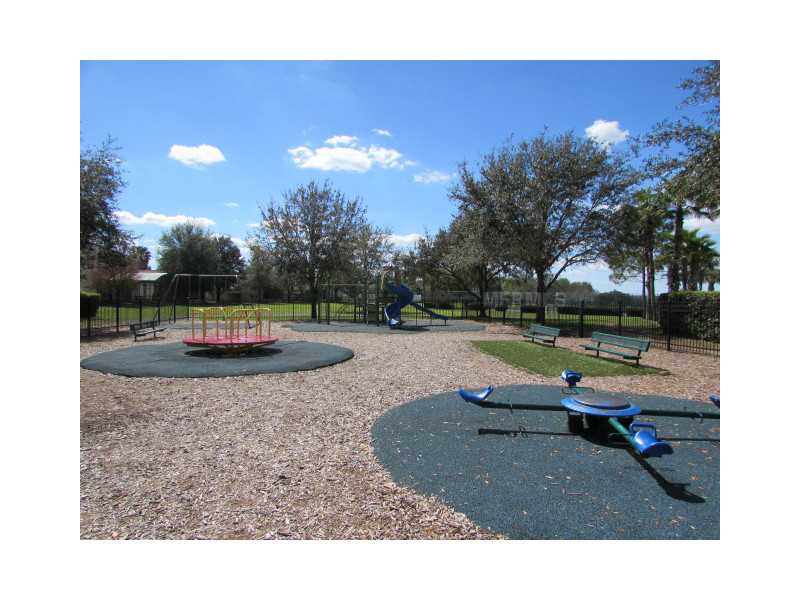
<point>149,276</point>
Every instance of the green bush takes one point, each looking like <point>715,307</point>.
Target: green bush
<point>691,314</point>
<point>90,303</point>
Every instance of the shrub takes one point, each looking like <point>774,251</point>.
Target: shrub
<point>691,314</point>
<point>90,303</point>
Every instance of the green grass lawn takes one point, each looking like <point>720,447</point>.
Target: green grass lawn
<point>544,360</point>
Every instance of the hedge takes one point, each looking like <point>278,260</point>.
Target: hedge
<point>691,314</point>
<point>90,303</point>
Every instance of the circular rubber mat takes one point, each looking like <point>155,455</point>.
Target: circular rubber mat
<point>179,360</point>
<point>521,473</point>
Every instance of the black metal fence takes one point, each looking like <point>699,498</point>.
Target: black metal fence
<point>674,326</point>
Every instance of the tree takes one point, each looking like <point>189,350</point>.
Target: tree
<point>547,202</point>
<point>462,254</point>
<point>313,233</point>
<point>702,259</point>
<point>372,252</point>
<point>188,248</point>
<point>101,236</point>
<point>114,277</point>
<point>260,278</point>
<point>229,257</point>
<point>141,257</point>
<point>636,243</point>
<point>686,159</point>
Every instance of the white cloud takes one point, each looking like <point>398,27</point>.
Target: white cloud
<point>704,225</point>
<point>338,158</point>
<point>151,218</point>
<point>195,156</point>
<point>253,225</point>
<point>232,204</point>
<point>408,239</point>
<point>606,133</point>
<point>433,177</point>
<point>384,132</point>
<point>342,140</point>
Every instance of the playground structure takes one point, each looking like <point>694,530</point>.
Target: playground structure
<point>599,418</point>
<point>228,329</point>
<point>380,304</point>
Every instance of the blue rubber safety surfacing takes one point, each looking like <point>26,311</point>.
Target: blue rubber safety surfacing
<point>179,360</point>
<point>546,483</point>
<point>406,327</point>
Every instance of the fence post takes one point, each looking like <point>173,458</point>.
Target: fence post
<point>520,315</point>
<point>505,308</point>
<point>175,308</point>
<point>140,310</point>
<point>158,309</point>
<point>117,307</point>
<point>619,318</point>
<point>580,320</point>
<point>669,324</point>
<point>89,327</point>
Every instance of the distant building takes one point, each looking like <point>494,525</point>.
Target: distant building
<point>148,284</point>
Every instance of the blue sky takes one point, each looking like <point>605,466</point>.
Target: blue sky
<point>214,140</point>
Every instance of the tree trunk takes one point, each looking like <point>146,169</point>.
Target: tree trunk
<point>314,293</point>
<point>484,285</point>
<point>540,290</point>
<point>651,283</point>
<point>674,274</point>
<point>644,286</point>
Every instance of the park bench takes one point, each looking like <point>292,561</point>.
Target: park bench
<point>616,342</point>
<point>145,328</point>
<point>542,333</point>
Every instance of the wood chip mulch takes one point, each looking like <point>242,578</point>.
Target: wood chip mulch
<point>289,456</point>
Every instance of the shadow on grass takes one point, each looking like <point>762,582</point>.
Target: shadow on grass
<point>618,362</point>
<point>550,361</point>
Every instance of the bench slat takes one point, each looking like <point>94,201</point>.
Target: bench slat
<point>622,341</point>
<point>535,328</point>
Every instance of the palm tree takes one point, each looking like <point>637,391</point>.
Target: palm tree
<point>700,257</point>
<point>637,243</point>
<point>677,193</point>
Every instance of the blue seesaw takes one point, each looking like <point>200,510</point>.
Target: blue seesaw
<point>592,415</point>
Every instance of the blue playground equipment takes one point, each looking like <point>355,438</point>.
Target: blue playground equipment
<point>405,297</point>
<point>570,377</point>
<point>715,399</point>
<point>598,416</point>
<point>476,397</point>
